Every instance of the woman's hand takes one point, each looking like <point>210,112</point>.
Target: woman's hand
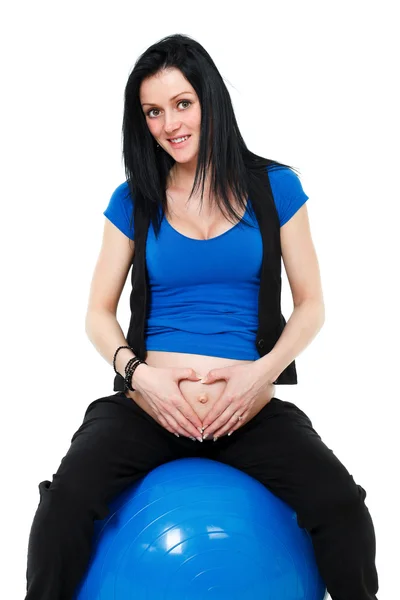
<point>164,401</point>
<point>247,391</point>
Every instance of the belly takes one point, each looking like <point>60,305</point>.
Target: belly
<point>200,396</point>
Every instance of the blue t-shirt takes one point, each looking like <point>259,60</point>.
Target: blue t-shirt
<point>204,293</point>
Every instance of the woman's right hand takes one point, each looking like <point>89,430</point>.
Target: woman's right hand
<point>159,387</point>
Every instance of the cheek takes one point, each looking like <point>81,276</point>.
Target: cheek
<point>197,122</point>
<point>193,120</point>
<point>153,128</point>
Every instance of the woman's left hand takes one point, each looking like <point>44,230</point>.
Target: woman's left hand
<point>245,387</point>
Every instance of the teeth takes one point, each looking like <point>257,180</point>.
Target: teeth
<point>176,140</point>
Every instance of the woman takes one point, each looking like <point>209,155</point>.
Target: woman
<point>205,314</point>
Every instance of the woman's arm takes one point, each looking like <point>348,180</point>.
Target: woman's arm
<point>302,269</point>
<point>105,333</point>
<point>305,322</point>
<point>109,277</point>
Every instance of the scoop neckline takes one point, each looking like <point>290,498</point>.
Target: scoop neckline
<point>216,237</point>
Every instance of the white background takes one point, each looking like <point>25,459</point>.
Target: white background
<point>314,86</point>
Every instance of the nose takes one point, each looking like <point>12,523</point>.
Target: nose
<point>171,124</point>
<point>171,131</point>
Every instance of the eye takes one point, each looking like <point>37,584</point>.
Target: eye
<point>189,102</point>
<point>150,111</point>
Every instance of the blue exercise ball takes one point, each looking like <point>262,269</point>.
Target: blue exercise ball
<point>197,529</point>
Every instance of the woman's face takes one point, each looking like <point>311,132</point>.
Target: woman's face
<point>172,110</point>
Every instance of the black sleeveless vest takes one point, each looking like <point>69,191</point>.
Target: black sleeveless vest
<point>271,322</point>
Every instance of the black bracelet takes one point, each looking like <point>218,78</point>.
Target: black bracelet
<point>130,363</point>
<point>129,371</point>
<point>115,356</point>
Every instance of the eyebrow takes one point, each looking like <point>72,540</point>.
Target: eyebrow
<point>173,98</point>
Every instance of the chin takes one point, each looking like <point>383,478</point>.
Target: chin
<point>186,159</point>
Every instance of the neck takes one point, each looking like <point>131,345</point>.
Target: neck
<point>182,175</point>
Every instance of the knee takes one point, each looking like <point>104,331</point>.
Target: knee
<point>333,500</point>
<point>66,503</point>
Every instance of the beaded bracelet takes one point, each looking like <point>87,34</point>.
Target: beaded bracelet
<point>130,363</point>
<point>115,356</point>
<point>129,371</point>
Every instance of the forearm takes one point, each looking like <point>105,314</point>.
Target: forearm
<point>301,328</point>
<point>105,333</point>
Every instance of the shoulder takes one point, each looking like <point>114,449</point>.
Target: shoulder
<point>287,191</point>
<point>120,209</point>
<point>122,192</point>
<point>284,180</point>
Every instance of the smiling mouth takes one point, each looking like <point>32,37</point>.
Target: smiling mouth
<point>181,143</point>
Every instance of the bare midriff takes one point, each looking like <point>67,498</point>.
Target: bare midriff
<point>200,396</point>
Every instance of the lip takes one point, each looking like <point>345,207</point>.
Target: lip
<point>181,144</point>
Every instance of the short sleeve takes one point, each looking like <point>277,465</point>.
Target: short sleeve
<point>119,210</point>
<point>288,193</point>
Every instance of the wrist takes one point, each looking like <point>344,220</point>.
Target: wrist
<point>138,373</point>
<point>122,358</point>
<point>265,369</point>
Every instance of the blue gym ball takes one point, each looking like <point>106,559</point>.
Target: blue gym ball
<point>198,529</point>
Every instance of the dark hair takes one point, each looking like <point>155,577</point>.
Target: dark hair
<point>230,162</point>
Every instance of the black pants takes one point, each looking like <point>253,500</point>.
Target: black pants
<point>118,443</point>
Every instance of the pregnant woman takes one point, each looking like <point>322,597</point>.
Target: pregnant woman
<point>203,224</point>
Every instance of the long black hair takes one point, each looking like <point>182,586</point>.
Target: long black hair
<point>222,151</point>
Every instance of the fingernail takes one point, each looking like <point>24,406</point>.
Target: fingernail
<point>200,429</point>
<point>177,434</point>
<point>230,433</point>
<point>200,439</point>
<point>205,436</point>
<point>215,438</point>
<point>192,438</point>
